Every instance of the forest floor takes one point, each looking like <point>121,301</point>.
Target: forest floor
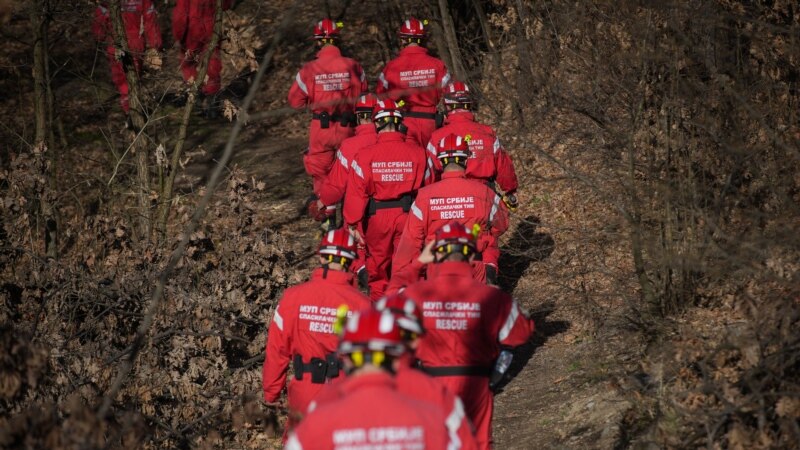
<point>569,388</point>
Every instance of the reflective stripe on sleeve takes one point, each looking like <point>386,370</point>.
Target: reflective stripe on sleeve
<point>357,169</point>
<point>445,79</point>
<point>453,423</point>
<point>300,83</point>
<point>383,81</point>
<point>293,443</point>
<point>495,205</point>
<point>510,320</point>
<point>342,159</point>
<point>431,149</point>
<point>278,320</point>
<point>416,211</point>
<point>497,145</point>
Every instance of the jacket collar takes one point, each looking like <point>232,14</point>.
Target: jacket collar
<point>364,129</point>
<point>414,50</point>
<point>455,174</point>
<point>333,276</point>
<point>391,136</point>
<point>452,268</point>
<point>380,379</point>
<point>329,51</point>
<point>460,115</point>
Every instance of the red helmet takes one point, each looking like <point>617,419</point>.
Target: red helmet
<point>327,29</point>
<point>366,103</point>
<point>338,243</point>
<point>405,310</point>
<point>453,146</point>
<point>413,28</point>
<point>457,92</point>
<point>386,108</point>
<point>372,331</point>
<point>454,236</point>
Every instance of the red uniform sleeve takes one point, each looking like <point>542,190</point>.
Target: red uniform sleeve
<point>383,83</point>
<point>152,32</point>
<point>332,190</point>
<point>516,327</point>
<point>180,20</point>
<point>506,176</point>
<point>356,194</point>
<point>278,356</point>
<point>405,277</point>
<point>100,26</point>
<point>498,217</point>
<point>298,93</point>
<point>412,240</point>
<point>362,82</point>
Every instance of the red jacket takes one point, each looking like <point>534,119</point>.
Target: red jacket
<point>332,191</point>
<point>387,170</point>
<point>331,83</point>
<point>135,15</point>
<point>415,77</point>
<point>453,198</point>
<point>465,320</point>
<point>415,384</point>
<point>489,160</point>
<point>193,20</point>
<point>303,324</point>
<point>373,413</point>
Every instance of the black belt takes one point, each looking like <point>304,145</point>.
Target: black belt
<point>403,202</point>
<point>456,371</point>
<point>320,369</point>
<point>347,119</point>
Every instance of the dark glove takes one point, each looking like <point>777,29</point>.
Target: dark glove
<point>363,278</point>
<point>491,275</point>
<point>511,201</point>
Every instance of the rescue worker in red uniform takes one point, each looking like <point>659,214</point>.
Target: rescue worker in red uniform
<point>371,412</point>
<point>455,197</point>
<point>417,78</point>
<point>383,180</point>
<point>302,332</point>
<point>328,86</point>
<point>466,322</point>
<point>142,32</point>
<point>488,160</point>
<point>193,29</point>
<point>332,192</point>
<point>410,381</point>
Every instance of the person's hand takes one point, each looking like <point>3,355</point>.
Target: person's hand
<point>426,256</point>
<point>511,202</point>
<point>317,210</point>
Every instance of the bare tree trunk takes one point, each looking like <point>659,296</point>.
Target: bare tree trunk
<point>43,114</point>
<point>452,42</point>
<point>165,196</point>
<point>137,117</point>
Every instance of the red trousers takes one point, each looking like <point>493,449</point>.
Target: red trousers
<point>322,146</point>
<point>419,130</point>
<point>478,404</point>
<point>298,395</point>
<point>190,64</point>
<point>382,235</point>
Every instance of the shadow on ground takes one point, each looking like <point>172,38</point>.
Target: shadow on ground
<point>525,246</point>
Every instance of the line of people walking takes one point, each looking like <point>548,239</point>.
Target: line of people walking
<point>192,29</point>
<point>424,198</point>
